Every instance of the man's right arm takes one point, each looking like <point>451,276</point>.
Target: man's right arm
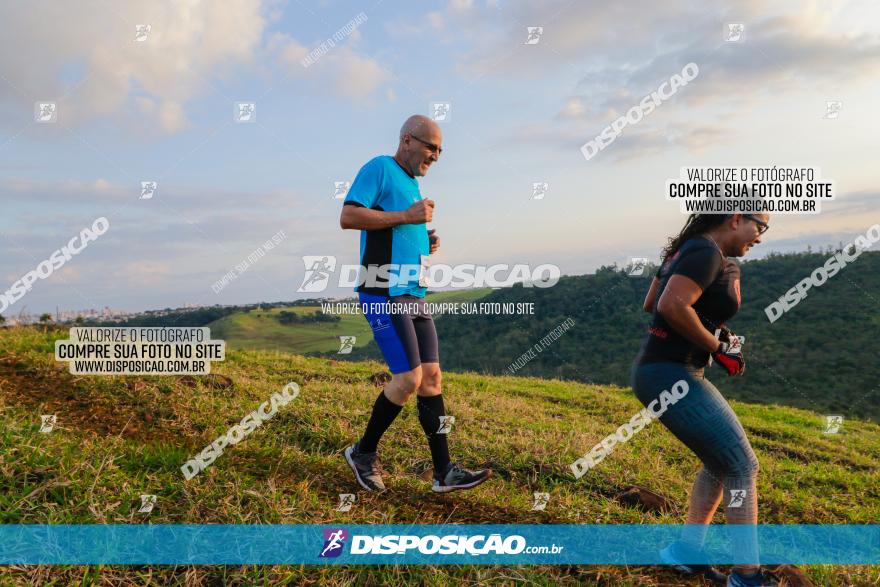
<point>362,218</point>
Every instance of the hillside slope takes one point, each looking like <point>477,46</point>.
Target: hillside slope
<point>119,437</point>
<point>819,356</point>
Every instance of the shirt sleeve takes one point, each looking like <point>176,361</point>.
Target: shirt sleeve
<point>662,270</point>
<point>702,265</point>
<point>366,189</point>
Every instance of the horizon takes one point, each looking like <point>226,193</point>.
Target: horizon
<point>513,184</point>
<point>346,295</point>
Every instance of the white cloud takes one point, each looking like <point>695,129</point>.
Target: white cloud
<point>189,42</point>
<point>359,76</point>
<point>84,56</point>
<point>574,108</point>
<point>616,53</point>
<point>168,114</point>
<point>352,76</point>
<point>436,20</point>
<point>461,6</point>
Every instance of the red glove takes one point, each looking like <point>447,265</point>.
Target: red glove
<point>729,353</point>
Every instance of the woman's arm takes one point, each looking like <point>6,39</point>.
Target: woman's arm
<point>648,306</point>
<point>676,307</point>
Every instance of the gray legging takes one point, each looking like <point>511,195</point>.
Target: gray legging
<point>706,424</point>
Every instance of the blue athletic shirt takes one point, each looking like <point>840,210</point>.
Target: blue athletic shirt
<point>382,184</point>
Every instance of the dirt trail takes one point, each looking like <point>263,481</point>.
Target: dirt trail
<point>55,391</point>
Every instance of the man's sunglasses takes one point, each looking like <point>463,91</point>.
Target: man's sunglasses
<point>431,146</point>
<point>762,226</point>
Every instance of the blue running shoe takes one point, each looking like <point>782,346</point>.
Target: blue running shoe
<point>676,553</point>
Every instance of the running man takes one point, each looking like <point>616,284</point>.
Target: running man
<point>695,291</point>
<point>385,204</point>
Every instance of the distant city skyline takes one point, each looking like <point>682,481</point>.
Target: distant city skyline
<point>200,132</point>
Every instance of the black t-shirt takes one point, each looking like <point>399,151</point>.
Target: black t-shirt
<point>699,259</point>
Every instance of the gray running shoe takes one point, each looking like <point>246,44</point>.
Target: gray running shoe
<point>366,467</point>
<point>761,579</point>
<point>459,478</point>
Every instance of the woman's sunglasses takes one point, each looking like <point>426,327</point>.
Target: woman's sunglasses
<point>762,226</point>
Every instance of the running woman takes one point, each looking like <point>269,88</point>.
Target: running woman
<point>695,291</point>
<point>385,204</point>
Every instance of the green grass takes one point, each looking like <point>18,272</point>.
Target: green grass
<point>113,443</point>
<point>261,330</point>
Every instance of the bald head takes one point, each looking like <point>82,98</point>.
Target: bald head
<point>417,124</point>
<point>420,144</point>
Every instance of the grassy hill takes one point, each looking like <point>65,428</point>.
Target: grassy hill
<point>119,437</point>
<point>261,329</point>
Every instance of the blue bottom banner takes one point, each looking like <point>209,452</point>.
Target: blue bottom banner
<point>438,544</point>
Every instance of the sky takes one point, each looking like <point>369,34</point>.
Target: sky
<point>162,109</point>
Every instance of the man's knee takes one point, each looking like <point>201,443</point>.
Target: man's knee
<point>431,379</point>
<point>403,385</point>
